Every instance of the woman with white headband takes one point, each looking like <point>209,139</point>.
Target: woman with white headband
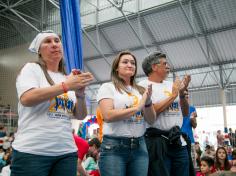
<point>48,99</point>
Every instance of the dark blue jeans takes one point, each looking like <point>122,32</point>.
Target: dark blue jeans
<point>24,164</point>
<point>177,161</point>
<point>122,156</point>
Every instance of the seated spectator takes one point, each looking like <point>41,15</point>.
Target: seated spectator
<point>198,153</point>
<point>224,173</point>
<point>2,131</point>
<point>6,171</point>
<point>207,164</point>
<point>220,139</point>
<point>2,153</point>
<point>90,164</point>
<point>83,148</point>
<point>221,161</point>
<point>234,154</point>
<point>208,152</point>
<point>233,167</point>
<point>5,160</point>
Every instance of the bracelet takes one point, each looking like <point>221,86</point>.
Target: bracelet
<point>148,105</point>
<point>64,87</point>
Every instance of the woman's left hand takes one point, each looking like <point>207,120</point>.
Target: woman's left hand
<point>148,92</point>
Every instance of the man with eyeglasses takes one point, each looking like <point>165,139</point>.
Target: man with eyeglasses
<point>168,154</point>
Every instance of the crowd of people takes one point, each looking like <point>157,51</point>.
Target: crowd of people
<point>146,126</point>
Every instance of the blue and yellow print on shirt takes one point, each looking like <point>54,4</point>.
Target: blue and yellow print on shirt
<point>61,107</point>
<point>174,107</point>
<point>138,117</point>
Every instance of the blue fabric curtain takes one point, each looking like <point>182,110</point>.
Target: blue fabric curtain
<point>71,34</point>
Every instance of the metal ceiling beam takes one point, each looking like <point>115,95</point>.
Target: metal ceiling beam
<point>97,27</point>
<point>11,19</point>
<point>100,31</point>
<point>95,46</point>
<point>183,69</point>
<point>108,41</point>
<point>90,4</point>
<point>204,79</point>
<point>53,3</point>
<point>187,37</point>
<point>22,18</point>
<point>42,14</point>
<point>152,36</point>
<point>120,8</point>
<point>17,3</point>
<point>227,82</point>
<point>198,41</point>
<point>221,76</point>
<point>90,70</point>
<point>21,2</point>
<point>89,38</point>
<point>155,9</point>
<point>34,19</point>
<point>148,31</point>
<point>203,27</point>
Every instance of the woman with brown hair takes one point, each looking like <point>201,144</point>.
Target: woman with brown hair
<point>125,106</point>
<point>48,99</point>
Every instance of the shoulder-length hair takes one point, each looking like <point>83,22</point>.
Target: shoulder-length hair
<point>226,162</point>
<point>43,66</point>
<point>118,82</point>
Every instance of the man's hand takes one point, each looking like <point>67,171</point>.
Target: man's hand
<point>184,85</point>
<point>176,87</point>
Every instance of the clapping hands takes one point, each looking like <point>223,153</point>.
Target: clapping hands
<point>180,86</point>
<point>146,98</point>
<point>78,80</point>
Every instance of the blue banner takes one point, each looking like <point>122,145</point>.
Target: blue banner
<point>71,34</point>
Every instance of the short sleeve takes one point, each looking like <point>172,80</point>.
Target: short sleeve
<point>143,83</point>
<point>106,91</point>
<point>28,78</point>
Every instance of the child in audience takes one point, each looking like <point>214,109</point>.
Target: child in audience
<point>6,171</point>
<point>2,153</point>
<point>221,161</point>
<point>207,164</point>
<point>90,164</point>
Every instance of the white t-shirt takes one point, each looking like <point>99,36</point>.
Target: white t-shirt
<point>6,171</point>
<point>134,126</point>
<point>172,116</point>
<point>44,129</point>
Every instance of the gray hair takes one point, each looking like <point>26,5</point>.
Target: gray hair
<point>153,58</point>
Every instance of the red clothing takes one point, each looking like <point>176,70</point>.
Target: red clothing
<point>199,174</point>
<point>94,173</point>
<point>82,146</point>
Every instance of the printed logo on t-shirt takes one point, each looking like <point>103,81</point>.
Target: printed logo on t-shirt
<point>138,117</point>
<point>167,93</point>
<point>61,107</point>
<point>174,107</point>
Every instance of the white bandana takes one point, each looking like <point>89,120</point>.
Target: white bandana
<point>35,44</point>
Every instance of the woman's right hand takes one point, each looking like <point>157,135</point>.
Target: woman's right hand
<point>78,81</point>
<point>146,98</point>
